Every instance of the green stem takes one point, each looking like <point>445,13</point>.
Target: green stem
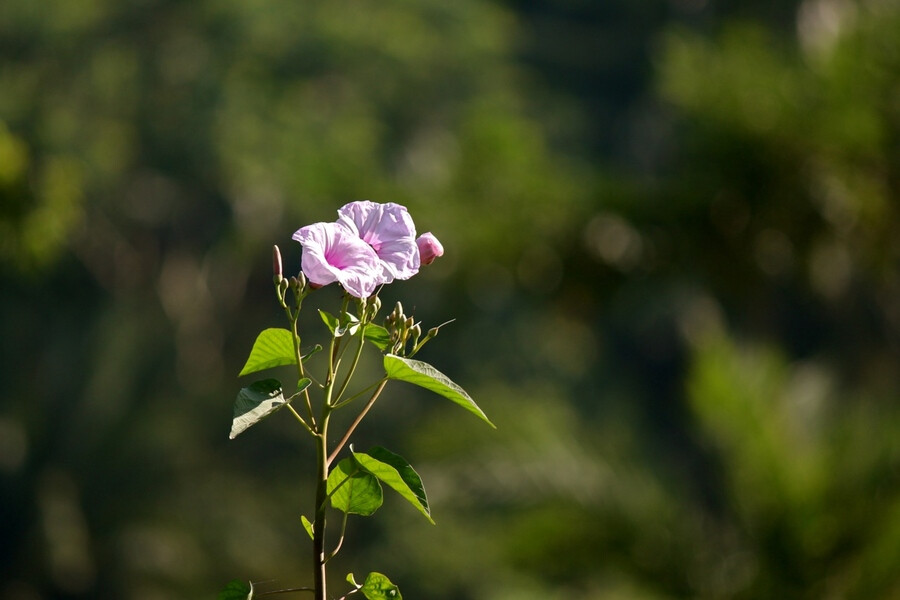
<point>321,495</point>
<point>362,343</point>
<point>299,418</point>
<point>287,591</point>
<point>293,317</point>
<point>354,396</point>
<point>340,542</point>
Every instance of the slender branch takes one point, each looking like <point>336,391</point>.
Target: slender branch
<point>293,317</point>
<point>340,542</point>
<point>286,591</point>
<point>299,418</point>
<point>343,387</point>
<point>337,405</point>
<point>356,421</point>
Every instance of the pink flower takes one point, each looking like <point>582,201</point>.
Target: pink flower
<point>332,253</point>
<point>429,248</point>
<point>390,231</point>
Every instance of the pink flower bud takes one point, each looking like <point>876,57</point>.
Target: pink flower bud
<point>429,248</point>
<point>276,264</point>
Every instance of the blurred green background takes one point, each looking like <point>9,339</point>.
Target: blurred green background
<point>673,253</point>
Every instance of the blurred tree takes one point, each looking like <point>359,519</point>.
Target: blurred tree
<point>672,253</point>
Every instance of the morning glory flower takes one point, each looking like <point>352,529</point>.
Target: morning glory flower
<point>390,231</point>
<point>333,253</point>
<point>429,248</point>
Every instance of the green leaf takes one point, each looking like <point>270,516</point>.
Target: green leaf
<point>378,335</point>
<point>257,402</point>
<point>424,375</point>
<point>237,590</point>
<point>393,470</point>
<point>352,581</point>
<point>330,320</point>
<point>316,348</point>
<point>272,348</point>
<point>379,587</point>
<point>349,324</point>
<point>353,490</point>
<point>307,525</point>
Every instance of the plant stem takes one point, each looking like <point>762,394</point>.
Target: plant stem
<point>359,349</point>
<point>293,317</point>
<point>356,421</point>
<point>321,495</point>
<point>287,591</point>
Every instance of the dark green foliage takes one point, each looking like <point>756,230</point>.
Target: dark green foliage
<point>672,254</point>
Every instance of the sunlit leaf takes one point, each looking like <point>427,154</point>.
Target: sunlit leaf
<point>273,348</point>
<point>379,587</point>
<point>353,490</point>
<point>424,375</point>
<point>329,319</point>
<point>237,590</point>
<point>258,401</point>
<point>393,470</point>
<point>307,525</point>
<point>378,335</point>
<point>349,323</point>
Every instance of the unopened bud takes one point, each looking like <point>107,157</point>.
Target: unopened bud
<point>429,248</point>
<point>415,333</point>
<point>276,265</point>
<point>433,332</point>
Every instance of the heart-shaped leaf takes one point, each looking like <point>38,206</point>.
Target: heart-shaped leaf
<point>273,348</point>
<point>379,587</point>
<point>353,490</point>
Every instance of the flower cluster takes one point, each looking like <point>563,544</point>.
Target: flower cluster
<point>369,245</point>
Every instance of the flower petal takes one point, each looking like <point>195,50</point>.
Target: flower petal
<point>332,253</point>
<point>389,230</point>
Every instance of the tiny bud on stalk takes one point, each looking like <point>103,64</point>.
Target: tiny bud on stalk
<point>276,265</point>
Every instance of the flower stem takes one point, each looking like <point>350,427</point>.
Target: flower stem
<point>295,333</point>
<point>359,417</point>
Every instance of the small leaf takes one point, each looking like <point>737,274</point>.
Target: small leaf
<point>257,402</point>
<point>379,587</point>
<point>378,335</point>
<point>316,348</point>
<point>307,525</point>
<point>237,590</point>
<point>348,324</point>
<point>352,581</point>
<point>272,348</point>
<point>424,375</point>
<point>393,470</point>
<point>330,320</point>
<point>353,490</point>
